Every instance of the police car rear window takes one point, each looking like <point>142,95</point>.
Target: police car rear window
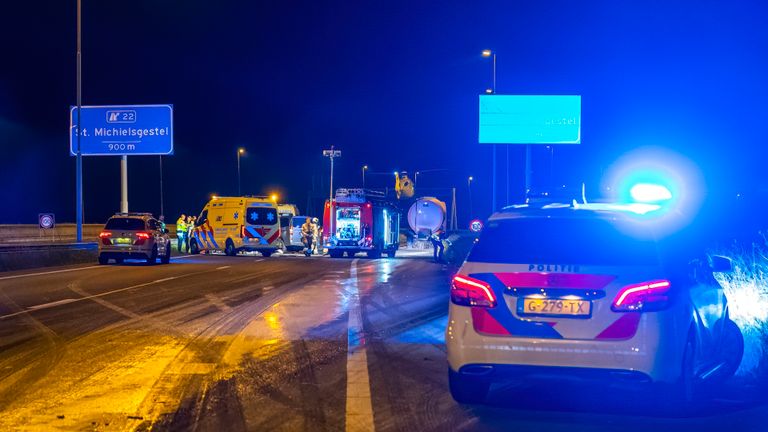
<point>261,215</point>
<point>128,224</point>
<point>562,241</point>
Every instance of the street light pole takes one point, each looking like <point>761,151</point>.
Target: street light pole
<point>469,186</point>
<point>240,151</point>
<point>489,53</point>
<point>365,168</point>
<point>79,162</point>
<point>332,154</point>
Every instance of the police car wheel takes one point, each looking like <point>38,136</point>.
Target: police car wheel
<point>336,254</point>
<point>685,391</point>
<point>467,390</point>
<point>266,254</point>
<point>731,348</point>
<point>103,260</point>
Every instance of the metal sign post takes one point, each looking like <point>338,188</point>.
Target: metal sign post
<point>79,163</point>
<point>331,154</point>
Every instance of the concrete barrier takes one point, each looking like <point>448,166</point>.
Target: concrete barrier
<point>20,257</point>
<point>63,233</point>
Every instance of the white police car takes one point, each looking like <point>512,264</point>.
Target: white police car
<point>587,291</point>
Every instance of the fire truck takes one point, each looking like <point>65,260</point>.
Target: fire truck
<point>359,220</point>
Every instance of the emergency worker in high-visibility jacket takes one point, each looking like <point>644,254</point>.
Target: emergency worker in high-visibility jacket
<point>181,231</point>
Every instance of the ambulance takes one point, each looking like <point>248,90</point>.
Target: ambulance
<point>237,224</point>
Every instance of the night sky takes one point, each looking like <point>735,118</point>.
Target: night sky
<point>394,85</point>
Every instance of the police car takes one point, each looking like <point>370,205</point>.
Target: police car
<point>587,292</point>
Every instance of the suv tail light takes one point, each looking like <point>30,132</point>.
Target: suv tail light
<point>467,291</point>
<point>105,237</point>
<point>645,296</point>
<point>141,237</point>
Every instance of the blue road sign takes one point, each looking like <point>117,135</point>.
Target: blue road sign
<point>122,130</point>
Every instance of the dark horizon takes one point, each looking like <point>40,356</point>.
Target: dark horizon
<point>393,86</point>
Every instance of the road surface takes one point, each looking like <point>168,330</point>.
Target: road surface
<point>214,343</point>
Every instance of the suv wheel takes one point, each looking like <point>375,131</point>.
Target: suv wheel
<point>229,249</point>
<point>467,390</point>
<point>167,256</point>
<point>152,258</point>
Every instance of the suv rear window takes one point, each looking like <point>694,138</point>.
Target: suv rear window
<point>127,224</point>
<point>261,215</point>
<point>561,241</point>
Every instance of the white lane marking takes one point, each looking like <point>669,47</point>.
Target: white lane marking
<point>51,304</point>
<point>258,260</point>
<point>48,272</point>
<point>359,410</point>
<point>223,267</point>
<point>54,304</point>
<point>73,269</point>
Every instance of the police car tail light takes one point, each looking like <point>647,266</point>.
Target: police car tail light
<point>646,296</point>
<point>105,237</point>
<point>467,291</point>
<point>141,237</point>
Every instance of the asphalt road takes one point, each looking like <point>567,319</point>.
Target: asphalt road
<point>213,343</point>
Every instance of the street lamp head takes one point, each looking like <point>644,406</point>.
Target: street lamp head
<point>487,53</point>
<point>241,150</point>
<point>396,173</point>
<point>365,167</point>
<point>471,178</point>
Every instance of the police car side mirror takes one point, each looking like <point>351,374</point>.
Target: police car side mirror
<point>720,264</point>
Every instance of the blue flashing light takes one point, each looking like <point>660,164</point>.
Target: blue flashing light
<point>650,193</point>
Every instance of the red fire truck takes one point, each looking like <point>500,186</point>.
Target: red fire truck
<point>360,221</point>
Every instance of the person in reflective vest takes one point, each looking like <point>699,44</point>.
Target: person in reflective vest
<point>437,243</point>
<point>181,231</point>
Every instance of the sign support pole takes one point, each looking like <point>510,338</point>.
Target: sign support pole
<point>162,211</point>
<point>124,184</point>
<point>331,154</point>
<point>79,163</point>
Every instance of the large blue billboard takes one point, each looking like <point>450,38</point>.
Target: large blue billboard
<point>122,130</point>
<point>518,119</point>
